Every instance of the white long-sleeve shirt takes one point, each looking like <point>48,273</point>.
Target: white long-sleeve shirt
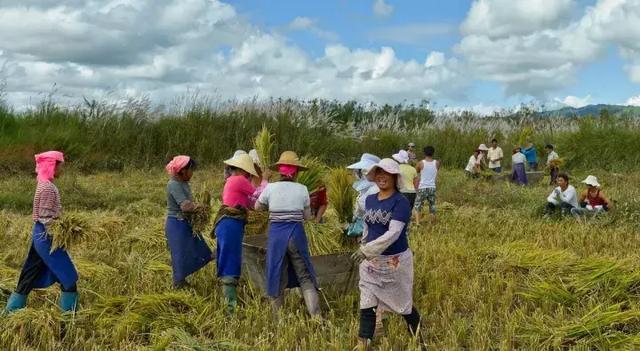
<point>569,196</point>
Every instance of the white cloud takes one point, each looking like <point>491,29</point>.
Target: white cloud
<point>633,101</point>
<point>412,33</point>
<point>311,25</point>
<point>435,59</point>
<point>574,101</point>
<point>382,9</point>
<point>99,47</point>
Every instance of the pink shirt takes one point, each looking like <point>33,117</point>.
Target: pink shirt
<point>237,191</point>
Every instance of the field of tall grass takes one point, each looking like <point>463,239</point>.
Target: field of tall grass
<point>107,136</point>
<point>492,274</point>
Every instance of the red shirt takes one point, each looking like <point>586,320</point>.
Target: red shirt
<point>237,191</point>
<point>319,198</point>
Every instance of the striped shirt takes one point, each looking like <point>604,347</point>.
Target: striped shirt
<point>46,203</point>
<point>286,216</point>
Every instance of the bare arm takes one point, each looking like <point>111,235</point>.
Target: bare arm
<point>320,213</point>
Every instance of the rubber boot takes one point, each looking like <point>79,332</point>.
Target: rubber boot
<point>311,299</point>
<point>69,301</point>
<point>16,301</point>
<point>231,297</point>
<point>276,304</point>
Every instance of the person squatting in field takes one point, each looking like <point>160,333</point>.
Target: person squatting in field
<point>44,267</point>
<point>238,196</point>
<point>563,197</point>
<point>384,257</point>
<point>592,201</point>
<point>288,260</point>
<point>426,184</point>
<point>189,252</point>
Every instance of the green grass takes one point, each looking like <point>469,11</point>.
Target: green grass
<point>490,275</point>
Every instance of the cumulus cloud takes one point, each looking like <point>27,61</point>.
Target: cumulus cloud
<point>574,101</point>
<point>633,101</point>
<point>90,48</point>
<point>382,9</point>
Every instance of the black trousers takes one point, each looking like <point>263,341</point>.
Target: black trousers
<point>565,208</point>
<point>368,322</point>
<point>33,266</point>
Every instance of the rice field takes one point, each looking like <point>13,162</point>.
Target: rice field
<point>491,275</point>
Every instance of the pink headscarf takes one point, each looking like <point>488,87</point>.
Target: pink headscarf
<point>177,164</point>
<point>46,165</point>
<point>288,171</point>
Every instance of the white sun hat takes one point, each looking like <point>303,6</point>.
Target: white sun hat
<point>402,156</point>
<point>483,147</point>
<point>591,180</point>
<point>366,162</point>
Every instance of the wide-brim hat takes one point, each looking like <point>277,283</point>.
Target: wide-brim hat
<point>388,165</point>
<point>401,157</point>
<point>289,158</point>
<point>591,180</point>
<point>483,147</point>
<point>244,162</point>
<point>366,162</point>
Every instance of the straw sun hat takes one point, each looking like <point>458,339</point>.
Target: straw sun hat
<point>289,158</point>
<point>244,162</point>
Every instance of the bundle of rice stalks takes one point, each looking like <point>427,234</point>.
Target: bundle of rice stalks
<point>68,231</point>
<point>557,163</point>
<point>257,223</point>
<point>313,177</point>
<point>324,239</point>
<point>524,136</point>
<point>201,216</point>
<point>263,143</point>
<point>341,194</point>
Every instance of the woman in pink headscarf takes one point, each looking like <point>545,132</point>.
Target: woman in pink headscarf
<point>288,259</point>
<point>189,252</point>
<point>44,267</point>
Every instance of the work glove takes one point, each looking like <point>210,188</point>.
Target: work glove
<point>358,256</point>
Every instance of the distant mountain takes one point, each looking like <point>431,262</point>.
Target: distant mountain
<point>593,110</point>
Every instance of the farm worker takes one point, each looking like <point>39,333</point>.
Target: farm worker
<point>364,187</point>
<point>230,222</point>
<point>495,156</point>
<point>472,169</point>
<point>386,262</point>
<point>227,171</point>
<point>319,203</point>
<point>411,151</point>
<point>592,201</point>
<point>189,252</point>
<point>428,170</point>
<point>42,267</point>
<point>288,259</point>
<point>552,157</point>
<point>531,154</point>
<point>564,197</point>
<point>482,157</point>
<point>519,173</point>
<point>409,176</point>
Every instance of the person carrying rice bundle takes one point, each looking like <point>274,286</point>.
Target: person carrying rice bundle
<point>288,259</point>
<point>386,261</point>
<point>230,225</point>
<point>189,252</point>
<point>44,267</point>
<point>552,159</point>
<point>364,187</point>
<point>592,201</point>
<point>519,172</point>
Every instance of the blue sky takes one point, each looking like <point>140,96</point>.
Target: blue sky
<point>480,54</point>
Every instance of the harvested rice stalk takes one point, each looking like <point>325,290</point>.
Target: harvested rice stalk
<point>257,223</point>
<point>263,143</point>
<point>557,162</point>
<point>341,194</point>
<point>313,177</point>
<point>525,135</point>
<point>201,216</point>
<point>68,231</point>
<point>324,239</point>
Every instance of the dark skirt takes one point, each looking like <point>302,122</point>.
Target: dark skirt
<point>229,235</point>
<point>280,233</point>
<point>189,252</point>
<point>411,197</point>
<point>57,268</point>
<point>519,174</point>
